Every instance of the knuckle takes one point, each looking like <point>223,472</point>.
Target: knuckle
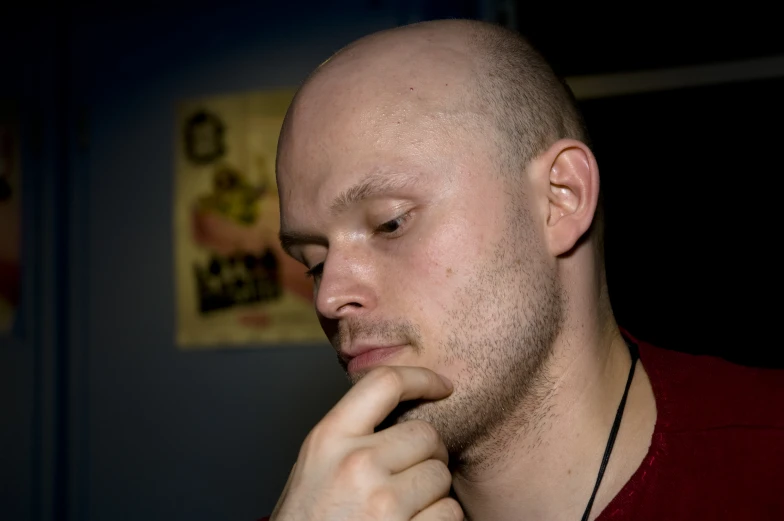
<point>438,473</point>
<point>317,437</point>
<point>425,431</point>
<point>358,462</point>
<point>432,475</point>
<point>441,472</point>
<point>382,503</point>
<point>452,510</point>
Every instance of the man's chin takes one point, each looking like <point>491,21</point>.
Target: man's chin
<point>405,411</point>
<point>437,413</point>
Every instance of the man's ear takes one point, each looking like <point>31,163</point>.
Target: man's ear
<point>569,176</point>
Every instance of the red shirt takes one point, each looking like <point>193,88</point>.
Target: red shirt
<point>718,446</point>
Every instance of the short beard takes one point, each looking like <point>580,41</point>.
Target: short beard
<point>499,396</point>
<point>503,328</point>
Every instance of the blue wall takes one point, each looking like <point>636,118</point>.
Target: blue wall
<point>103,417</point>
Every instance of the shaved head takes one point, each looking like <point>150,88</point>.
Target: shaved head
<point>499,81</point>
<point>479,76</point>
<point>411,189</point>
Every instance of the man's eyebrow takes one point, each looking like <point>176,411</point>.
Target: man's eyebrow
<point>290,239</point>
<point>374,184</point>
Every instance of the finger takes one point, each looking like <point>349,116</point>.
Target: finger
<point>406,444</point>
<point>421,485</point>
<point>445,509</point>
<point>375,396</point>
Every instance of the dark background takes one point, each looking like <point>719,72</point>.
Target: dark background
<point>103,418</point>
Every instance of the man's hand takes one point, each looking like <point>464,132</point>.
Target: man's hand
<point>346,472</point>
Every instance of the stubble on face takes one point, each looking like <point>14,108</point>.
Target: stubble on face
<point>500,329</point>
<point>501,322</point>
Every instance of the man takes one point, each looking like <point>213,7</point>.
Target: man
<point>436,182</point>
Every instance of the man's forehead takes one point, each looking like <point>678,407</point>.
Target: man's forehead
<point>388,72</point>
<point>314,170</point>
<point>383,76</point>
<point>376,105</point>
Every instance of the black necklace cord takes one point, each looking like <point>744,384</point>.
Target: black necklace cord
<point>635,354</point>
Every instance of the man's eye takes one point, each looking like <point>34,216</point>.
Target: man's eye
<point>393,225</point>
<point>315,271</point>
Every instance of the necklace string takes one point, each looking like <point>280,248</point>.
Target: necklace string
<point>635,354</point>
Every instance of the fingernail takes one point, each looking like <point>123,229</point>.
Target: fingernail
<point>447,382</point>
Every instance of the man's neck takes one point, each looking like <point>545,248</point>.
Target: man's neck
<point>549,471</point>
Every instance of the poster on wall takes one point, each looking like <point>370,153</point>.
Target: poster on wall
<point>234,284</point>
<point>10,217</point>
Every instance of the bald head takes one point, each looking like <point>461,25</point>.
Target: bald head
<point>470,73</point>
<point>388,176</point>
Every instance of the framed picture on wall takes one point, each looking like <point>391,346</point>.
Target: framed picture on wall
<point>234,284</point>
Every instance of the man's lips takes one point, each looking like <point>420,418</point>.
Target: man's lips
<point>369,356</point>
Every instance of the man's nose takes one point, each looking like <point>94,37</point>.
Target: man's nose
<point>346,287</point>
